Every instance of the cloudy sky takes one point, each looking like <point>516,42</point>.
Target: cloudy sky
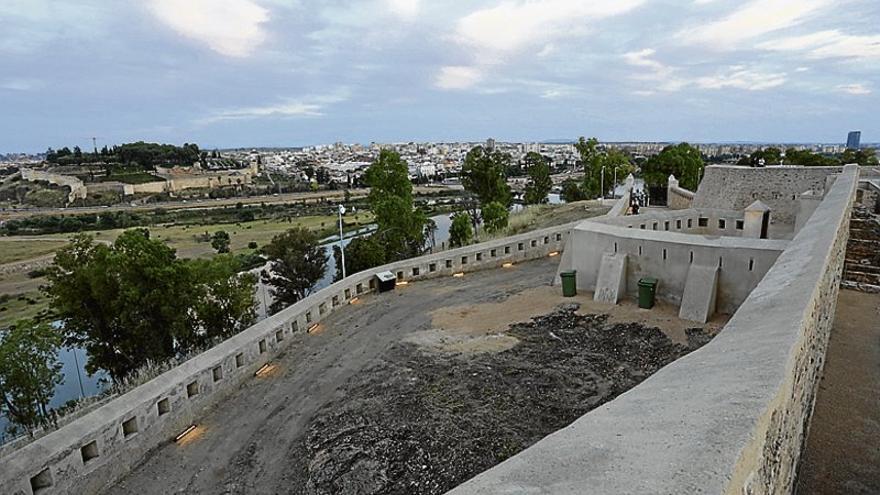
<point>226,73</point>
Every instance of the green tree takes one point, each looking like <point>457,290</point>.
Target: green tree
<point>29,371</point>
<point>222,301</point>
<point>297,263</point>
<point>495,216</point>
<point>681,160</point>
<point>126,304</point>
<point>864,157</point>
<point>594,161</point>
<point>220,241</point>
<point>400,227</point>
<point>460,232</point>
<point>572,191</point>
<point>482,175</point>
<point>362,253</point>
<point>539,185</point>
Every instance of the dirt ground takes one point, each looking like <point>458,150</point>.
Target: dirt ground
<point>842,452</point>
<point>408,392</point>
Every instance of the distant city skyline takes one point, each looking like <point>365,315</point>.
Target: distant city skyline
<point>285,73</point>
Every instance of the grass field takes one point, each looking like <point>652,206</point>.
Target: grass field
<point>12,249</point>
<point>14,307</point>
<point>189,243</point>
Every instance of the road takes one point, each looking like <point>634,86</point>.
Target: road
<point>244,441</point>
<point>9,214</point>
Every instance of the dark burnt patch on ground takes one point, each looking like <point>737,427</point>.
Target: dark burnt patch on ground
<point>420,422</point>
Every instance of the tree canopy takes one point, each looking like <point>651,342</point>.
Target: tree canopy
<point>594,160</point>
<point>540,184</point>
<point>134,302</point>
<point>460,231</point>
<point>682,160</point>
<point>400,226</point>
<point>482,175</point>
<point>495,217</point>
<point>297,263</point>
<point>29,371</point>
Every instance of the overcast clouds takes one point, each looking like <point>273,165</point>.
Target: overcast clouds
<point>228,73</point>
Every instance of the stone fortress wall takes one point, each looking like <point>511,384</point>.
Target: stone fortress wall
<point>77,187</point>
<point>729,418</point>
<point>732,187</point>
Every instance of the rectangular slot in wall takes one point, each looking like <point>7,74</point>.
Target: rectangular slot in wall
<point>558,237</point>
<point>703,222</point>
<point>740,224</point>
<point>129,427</point>
<point>217,373</point>
<point>664,254</point>
<point>666,225</point>
<point>448,263</point>
<point>308,316</point>
<point>359,288</point>
<point>506,249</point>
<point>464,260</point>
<point>399,276</point>
<point>751,264</point>
<point>163,406</point>
<point>415,272</point>
<point>41,481</point>
<point>678,225</point>
<point>534,243</point>
<point>546,240</point>
<point>192,389</point>
<point>335,301</point>
<point>89,451</point>
<point>493,253</point>
<point>479,256</point>
<point>690,223</point>
<point>432,267</point>
<point>347,294</point>
<point>520,246</point>
<point>279,335</point>
<point>239,360</point>
<point>722,224</point>
<point>262,346</point>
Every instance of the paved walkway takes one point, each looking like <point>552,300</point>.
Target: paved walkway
<point>842,452</point>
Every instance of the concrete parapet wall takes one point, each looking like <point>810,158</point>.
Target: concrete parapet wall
<point>702,221</point>
<point>729,418</point>
<point>734,188</point>
<point>127,428</point>
<point>668,257</point>
<point>677,197</point>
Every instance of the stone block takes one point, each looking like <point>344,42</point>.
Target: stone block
<point>611,284</point>
<point>700,291</point>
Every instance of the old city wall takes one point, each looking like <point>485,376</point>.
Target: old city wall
<point>735,188</point>
<point>728,418</point>
<point>77,187</point>
<point>103,445</point>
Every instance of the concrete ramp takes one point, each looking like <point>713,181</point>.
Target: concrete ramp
<point>611,284</point>
<point>700,291</point>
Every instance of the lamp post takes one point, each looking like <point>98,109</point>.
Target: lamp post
<point>602,184</point>
<point>341,246</point>
<point>614,187</point>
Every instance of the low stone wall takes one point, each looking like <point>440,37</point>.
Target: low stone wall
<point>702,221</point>
<point>100,447</point>
<point>729,418</point>
<point>677,197</point>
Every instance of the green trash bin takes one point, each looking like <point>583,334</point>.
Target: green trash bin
<point>647,291</point>
<point>569,283</point>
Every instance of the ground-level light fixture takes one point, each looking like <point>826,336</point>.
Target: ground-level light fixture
<point>554,253</point>
<point>458,275</point>
<point>312,328</point>
<point>354,301</point>
<point>507,265</point>
<point>402,282</point>
<point>184,433</point>
<point>263,369</point>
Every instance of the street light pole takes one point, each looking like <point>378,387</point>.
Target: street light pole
<point>614,187</point>
<point>341,246</point>
<point>603,184</point>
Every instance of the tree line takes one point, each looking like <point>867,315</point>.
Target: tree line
<point>147,156</point>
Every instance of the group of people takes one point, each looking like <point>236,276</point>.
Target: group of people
<point>637,199</point>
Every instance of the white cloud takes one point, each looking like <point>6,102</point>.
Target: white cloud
<point>21,84</point>
<point>230,27</point>
<point>752,20</point>
<point>406,9</point>
<point>666,78</point>
<point>828,44</point>
<point>513,25</point>
<point>458,77</point>
<point>857,89</point>
<point>312,106</point>
<point>739,77</point>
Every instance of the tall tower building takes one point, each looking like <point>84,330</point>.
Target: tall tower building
<point>853,140</point>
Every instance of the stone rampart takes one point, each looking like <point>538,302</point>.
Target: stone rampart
<point>77,187</point>
<point>95,450</point>
<point>729,418</point>
<point>677,197</point>
<point>732,187</point>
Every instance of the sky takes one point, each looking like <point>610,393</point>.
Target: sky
<point>249,73</point>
